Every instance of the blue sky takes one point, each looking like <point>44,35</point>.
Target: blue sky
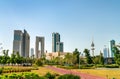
<point>77,21</point>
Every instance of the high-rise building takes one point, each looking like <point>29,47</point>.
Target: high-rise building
<point>26,44</point>
<point>39,43</point>
<point>55,39</point>
<point>112,44</point>
<point>21,43</point>
<point>18,41</point>
<point>32,53</point>
<point>105,52</point>
<point>57,46</point>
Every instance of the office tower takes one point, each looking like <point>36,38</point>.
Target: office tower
<point>105,52</point>
<point>112,44</point>
<point>21,43</point>
<point>59,47</point>
<point>18,41</point>
<point>39,52</point>
<point>55,39</point>
<point>26,44</point>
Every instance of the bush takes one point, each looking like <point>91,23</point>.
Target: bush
<point>68,76</point>
<point>49,76</point>
<point>1,70</point>
<point>112,66</point>
<point>22,76</point>
<point>39,62</point>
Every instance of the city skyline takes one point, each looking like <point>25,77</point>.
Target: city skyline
<point>76,21</point>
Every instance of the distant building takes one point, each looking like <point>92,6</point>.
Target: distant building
<point>112,44</point>
<point>21,43</point>
<point>57,46</point>
<point>52,55</point>
<point>26,44</point>
<point>105,52</point>
<point>55,39</point>
<point>39,52</point>
<point>32,53</point>
<point>18,42</point>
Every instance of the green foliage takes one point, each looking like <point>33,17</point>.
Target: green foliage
<point>76,53</point>
<point>116,55</point>
<point>68,76</point>
<point>101,59</point>
<point>112,66</point>
<point>49,76</point>
<point>88,57</point>
<point>1,70</point>
<point>39,62</point>
<point>22,76</point>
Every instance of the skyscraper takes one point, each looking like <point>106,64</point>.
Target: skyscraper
<point>55,39</point>
<point>57,46</point>
<point>32,53</point>
<point>17,42</point>
<point>21,43</point>
<point>105,52</point>
<point>26,44</point>
<point>112,44</point>
<point>39,43</point>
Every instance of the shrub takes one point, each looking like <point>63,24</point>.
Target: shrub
<point>1,70</point>
<point>49,76</point>
<point>112,66</point>
<point>68,76</point>
<point>39,62</point>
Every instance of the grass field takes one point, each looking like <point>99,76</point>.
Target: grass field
<point>107,73</point>
<point>43,70</point>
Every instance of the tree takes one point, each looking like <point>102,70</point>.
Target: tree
<point>5,57</point>
<point>88,57</point>
<point>76,53</point>
<point>18,59</point>
<point>69,58</point>
<point>101,59</point>
<point>116,54</point>
<point>39,62</point>
<point>13,59</point>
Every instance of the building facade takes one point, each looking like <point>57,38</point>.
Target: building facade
<point>21,43</point>
<point>105,52</point>
<point>40,42</point>
<point>17,42</point>
<point>32,53</point>
<point>112,44</point>
<point>55,39</point>
<point>57,45</point>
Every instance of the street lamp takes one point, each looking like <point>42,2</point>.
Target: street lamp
<point>79,59</point>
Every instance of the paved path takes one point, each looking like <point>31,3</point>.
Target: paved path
<point>82,75</point>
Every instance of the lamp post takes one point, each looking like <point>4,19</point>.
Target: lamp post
<point>79,59</point>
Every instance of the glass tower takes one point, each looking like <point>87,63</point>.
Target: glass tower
<point>112,44</point>
<point>57,46</point>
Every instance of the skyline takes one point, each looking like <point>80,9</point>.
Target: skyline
<point>77,22</point>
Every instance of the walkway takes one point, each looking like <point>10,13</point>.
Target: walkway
<point>82,75</point>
